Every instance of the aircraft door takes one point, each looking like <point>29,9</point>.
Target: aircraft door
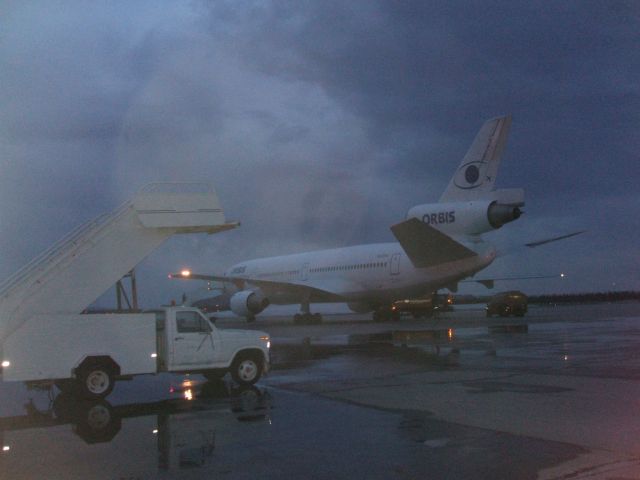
<point>304,272</point>
<point>395,264</point>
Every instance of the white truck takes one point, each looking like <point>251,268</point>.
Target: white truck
<point>89,352</point>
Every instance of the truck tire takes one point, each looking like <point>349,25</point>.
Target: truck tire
<point>246,368</point>
<point>95,381</point>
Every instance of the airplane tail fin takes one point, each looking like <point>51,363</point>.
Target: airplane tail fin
<point>476,175</point>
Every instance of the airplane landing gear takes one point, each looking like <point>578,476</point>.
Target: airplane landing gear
<point>306,317</point>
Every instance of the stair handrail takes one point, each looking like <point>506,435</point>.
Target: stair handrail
<point>60,247</point>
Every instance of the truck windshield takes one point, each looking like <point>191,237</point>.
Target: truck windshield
<point>191,322</point>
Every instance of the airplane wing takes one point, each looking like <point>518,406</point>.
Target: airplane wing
<point>331,292</point>
<point>489,282</point>
<point>426,247</point>
<point>520,248</point>
<point>189,275</point>
<point>315,294</point>
<point>554,239</point>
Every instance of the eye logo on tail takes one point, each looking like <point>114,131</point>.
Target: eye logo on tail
<point>469,176</point>
<point>477,171</point>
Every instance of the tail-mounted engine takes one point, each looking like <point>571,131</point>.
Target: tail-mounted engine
<point>472,217</point>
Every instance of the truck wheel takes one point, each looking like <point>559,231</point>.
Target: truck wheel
<point>246,369</point>
<point>95,381</point>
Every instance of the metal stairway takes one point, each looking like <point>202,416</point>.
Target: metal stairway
<point>76,270</point>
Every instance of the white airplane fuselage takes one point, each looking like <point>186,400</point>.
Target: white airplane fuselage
<point>371,274</point>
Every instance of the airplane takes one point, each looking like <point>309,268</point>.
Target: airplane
<point>438,245</point>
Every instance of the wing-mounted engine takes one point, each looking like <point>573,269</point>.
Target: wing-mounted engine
<point>248,303</point>
<point>472,217</point>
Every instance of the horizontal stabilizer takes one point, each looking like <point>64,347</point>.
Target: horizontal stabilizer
<point>426,247</point>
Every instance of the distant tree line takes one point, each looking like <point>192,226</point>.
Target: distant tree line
<point>559,298</point>
<point>585,297</point>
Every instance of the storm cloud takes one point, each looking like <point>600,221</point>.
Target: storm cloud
<point>321,123</point>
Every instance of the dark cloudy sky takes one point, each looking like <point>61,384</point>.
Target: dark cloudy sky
<point>321,123</point>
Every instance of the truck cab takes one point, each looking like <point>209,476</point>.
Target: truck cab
<point>187,341</point>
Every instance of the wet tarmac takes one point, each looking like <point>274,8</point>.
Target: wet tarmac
<point>552,395</point>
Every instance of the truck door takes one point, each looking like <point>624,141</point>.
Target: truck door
<point>193,343</point>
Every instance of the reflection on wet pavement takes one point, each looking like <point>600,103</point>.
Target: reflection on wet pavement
<point>182,430</point>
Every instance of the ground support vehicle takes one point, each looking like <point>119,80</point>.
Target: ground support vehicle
<point>88,353</point>
<point>507,303</point>
<point>417,307</point>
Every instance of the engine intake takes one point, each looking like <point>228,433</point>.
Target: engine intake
<point>248,302</point>
<point>499,214</point>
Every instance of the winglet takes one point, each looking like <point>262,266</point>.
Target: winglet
<point>425,246</point>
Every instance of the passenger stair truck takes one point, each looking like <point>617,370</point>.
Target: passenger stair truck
<point>44,338</point>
